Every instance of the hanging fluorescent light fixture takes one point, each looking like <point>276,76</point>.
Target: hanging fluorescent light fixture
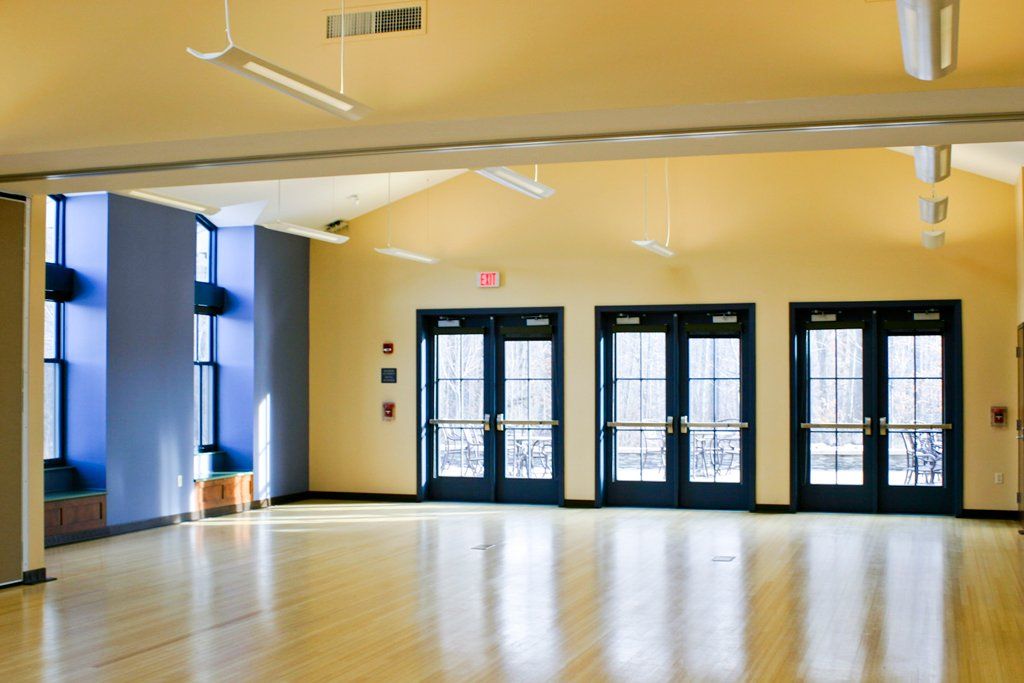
<point>395,251</point>
<point>243,62</point>
<point>647,243</point>
<point>657,248</point>
<point>932,162</point>
<point>279,225</point>
<point>929,34</point>
<point>303,231</point>
<point>407,255</point>
<point>531,187</point>
<point>194,207</point>
<point>933,209</point>
<point>933,239</point>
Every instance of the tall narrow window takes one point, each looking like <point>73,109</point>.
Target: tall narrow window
<point>204,383</point>
<point>204,344</point>
<point>53,342</point>
<point>204,250</point>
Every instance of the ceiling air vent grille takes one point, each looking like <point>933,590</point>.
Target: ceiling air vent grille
<point>385,20</point>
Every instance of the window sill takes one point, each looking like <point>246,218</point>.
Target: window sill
<point>221,475</point>
<point>68,495</point>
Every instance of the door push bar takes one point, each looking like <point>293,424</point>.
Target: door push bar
<point>884,426</point>
<point>842,425</point>
<point>668,425</point>
<point>485,422</point>
<point>502,423</point>
<point>685,425</point>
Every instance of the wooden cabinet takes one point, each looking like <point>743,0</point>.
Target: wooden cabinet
<point>223,491</point>
<point>66,515</point>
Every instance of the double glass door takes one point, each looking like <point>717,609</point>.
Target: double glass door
<point>492,394</point>
<point>676,407</point>
<point>877,427</point>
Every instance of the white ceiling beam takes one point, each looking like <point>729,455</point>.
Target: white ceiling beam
<point>887,120</point>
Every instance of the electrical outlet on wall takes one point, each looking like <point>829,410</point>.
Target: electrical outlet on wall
<point>181,481</point>
<point>999,477</point>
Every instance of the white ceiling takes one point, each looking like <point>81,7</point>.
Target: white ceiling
<point>313,202</point>
<point>997,160</point>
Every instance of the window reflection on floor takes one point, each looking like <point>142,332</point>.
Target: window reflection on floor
<point>833,623</point>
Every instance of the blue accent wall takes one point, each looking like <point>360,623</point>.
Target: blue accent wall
<point>85,323</point>
<point>128,348</point>
<point>129,352</point>
<point>281,379</point>
<point>235,346</point>
<point>150,299</point>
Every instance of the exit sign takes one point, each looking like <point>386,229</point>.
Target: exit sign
<point>489,279</point>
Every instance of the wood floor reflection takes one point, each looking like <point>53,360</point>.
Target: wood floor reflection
<point>474,592</point>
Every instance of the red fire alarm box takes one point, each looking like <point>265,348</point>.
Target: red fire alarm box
<point>389,348</point>
<point>999,416</point>
<point>389,411</point>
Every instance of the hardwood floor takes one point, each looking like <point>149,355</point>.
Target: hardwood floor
<point>398,592</point>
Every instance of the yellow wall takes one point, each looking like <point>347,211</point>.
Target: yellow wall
<point>770,229</point>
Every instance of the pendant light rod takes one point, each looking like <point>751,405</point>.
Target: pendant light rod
<point>646,236</point>
<point>388,214</point>
<point>668,208</point>
<point>647,243</point>
<point>341,51</point>
<point>227,23</point>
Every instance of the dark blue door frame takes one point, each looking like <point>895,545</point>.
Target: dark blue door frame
<point>494,486</point>
<point>878,319</point>
<point>677,491</point>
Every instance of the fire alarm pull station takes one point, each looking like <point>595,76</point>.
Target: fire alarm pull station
<point>389,411</point>
<point>389,348</point>
<point>999,416</point>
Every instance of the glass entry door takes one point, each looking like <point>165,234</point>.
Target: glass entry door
<point>876,405</point>
<point>492,398</point>
<point>676,407</point>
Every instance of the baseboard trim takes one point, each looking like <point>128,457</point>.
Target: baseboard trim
<point>289,498</point>
<point>367,497</point>
<point>989,514</point>
<point>147,524</point>
<point>773,508</point>
<point>576,503</point>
